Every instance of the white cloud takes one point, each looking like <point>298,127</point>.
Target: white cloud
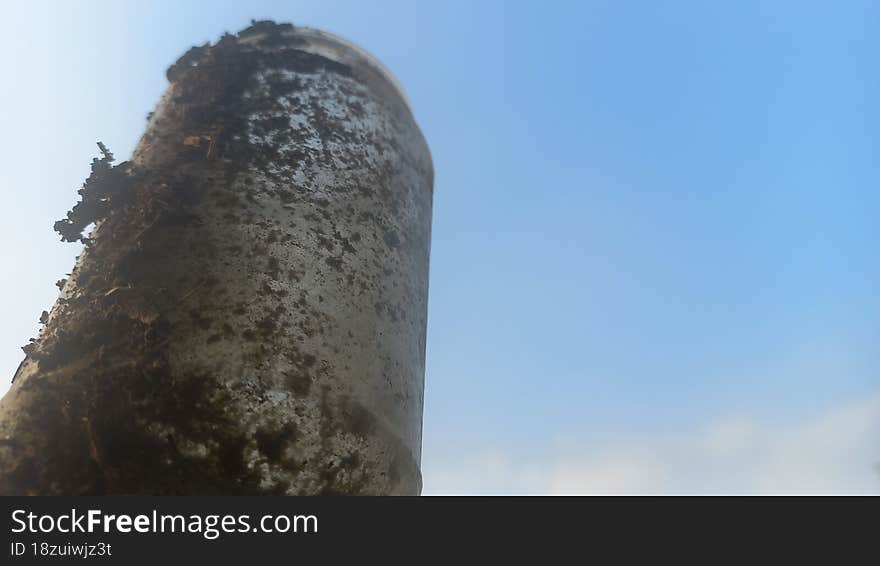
<point>833,452</point>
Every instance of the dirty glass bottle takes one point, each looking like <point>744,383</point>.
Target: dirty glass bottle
<point>248,314</point>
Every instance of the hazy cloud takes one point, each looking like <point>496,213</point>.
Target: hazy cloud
<point>833,452</point>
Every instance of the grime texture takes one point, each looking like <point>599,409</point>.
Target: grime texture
<point>248,314</point>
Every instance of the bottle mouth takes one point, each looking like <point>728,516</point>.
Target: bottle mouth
<point>342,51</point>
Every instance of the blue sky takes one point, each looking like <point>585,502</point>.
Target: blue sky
<point>655,235</point>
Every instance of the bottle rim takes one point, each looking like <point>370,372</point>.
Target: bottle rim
<point>341,50</point>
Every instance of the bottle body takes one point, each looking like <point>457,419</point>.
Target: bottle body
<point>276,257</point>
